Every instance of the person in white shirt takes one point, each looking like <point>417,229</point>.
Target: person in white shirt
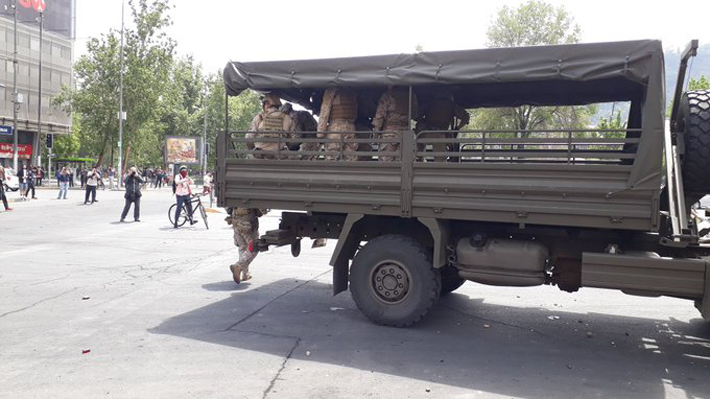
<point>92,180</point>
<point>183,191</point>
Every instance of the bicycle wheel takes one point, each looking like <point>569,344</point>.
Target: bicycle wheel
<point>204,215</point>
<point>183,215</point>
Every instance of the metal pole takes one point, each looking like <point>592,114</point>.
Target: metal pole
<point>204,147</point>
<point>15,104</point>
<point>39,101</point>
<point>120,111</point>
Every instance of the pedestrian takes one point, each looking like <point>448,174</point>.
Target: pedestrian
<point>40,174</point>
<point>245,223</point>
<point>30,183</point>
<point>207,183</point>
<point>71,173</point>
<point>183,191</point>
<point>132,182</point>
<point>92,181</point>
<point>111,174</point>
<point>22,177</point>
<point>63,180</point>
<point>83,175</point>
<point>3,177</point>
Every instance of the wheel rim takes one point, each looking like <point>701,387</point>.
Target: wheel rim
<point>389,282</point>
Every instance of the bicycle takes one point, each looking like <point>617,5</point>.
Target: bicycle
<point>184,216</point>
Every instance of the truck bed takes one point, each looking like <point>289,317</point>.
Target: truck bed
<point>560,190</point>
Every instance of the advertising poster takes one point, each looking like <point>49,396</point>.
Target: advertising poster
<point>182,150</point>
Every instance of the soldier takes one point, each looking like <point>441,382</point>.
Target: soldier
<point>306,125</point>
<point>245,223</point>
<point>392,116</point>
<point>439,114</point>
<point>338,112</point>
<point>268,124</point>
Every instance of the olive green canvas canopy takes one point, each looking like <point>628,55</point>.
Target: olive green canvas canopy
<point>572,74</point>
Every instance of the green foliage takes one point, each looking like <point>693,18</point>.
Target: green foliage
<point>701,83</point>
<point>164,95</point>
<point>533,23</point>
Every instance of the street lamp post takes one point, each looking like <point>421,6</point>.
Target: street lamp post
<point>39,97</point>
<point>121,114</point>
<point>15,98</point>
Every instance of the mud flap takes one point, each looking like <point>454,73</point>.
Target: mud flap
<point>344,251</point>
<point>704,304</point>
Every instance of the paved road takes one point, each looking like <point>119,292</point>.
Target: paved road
<point>164,320</point>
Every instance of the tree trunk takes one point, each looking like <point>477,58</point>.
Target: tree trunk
<point>125,159</point>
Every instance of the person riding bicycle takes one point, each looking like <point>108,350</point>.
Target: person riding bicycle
<point>183,191</point>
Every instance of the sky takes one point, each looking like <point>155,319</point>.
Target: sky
<point>215,32</point>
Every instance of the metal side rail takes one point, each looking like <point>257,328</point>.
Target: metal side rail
<point>681,235</point>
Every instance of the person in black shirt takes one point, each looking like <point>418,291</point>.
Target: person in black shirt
<point>132,182</point>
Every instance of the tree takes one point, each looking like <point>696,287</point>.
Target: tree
<point>147,55</point>
<point>701,83</point>
<point>533,23</point>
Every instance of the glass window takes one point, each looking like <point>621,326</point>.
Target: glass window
<point>66,53</point>
<point>24,70</point>
<point>56,50</point>
<point>34,44</point>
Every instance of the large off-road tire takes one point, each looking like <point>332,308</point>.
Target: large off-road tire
<point>694,122</point>
<point>450,279</point>
<point>393,281</point>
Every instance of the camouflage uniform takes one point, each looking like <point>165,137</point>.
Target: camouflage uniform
<point>392,116</point>
<point>438,115</point>
<point>246,230</point>
<point>338,112</point>
<point>268,124</point>
<point>305,124</point>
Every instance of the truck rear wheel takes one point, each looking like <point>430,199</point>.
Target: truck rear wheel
<point>694,122</point>
<point>393,281</point>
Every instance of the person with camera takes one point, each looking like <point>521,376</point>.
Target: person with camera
<point>132,182</point>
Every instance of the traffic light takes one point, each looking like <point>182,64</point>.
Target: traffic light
<point>50,140</point>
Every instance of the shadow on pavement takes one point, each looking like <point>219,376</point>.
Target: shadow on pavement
<point>226,286</point>
<point>464,342</point>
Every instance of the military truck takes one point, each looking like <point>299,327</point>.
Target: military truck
<point>567,207</point>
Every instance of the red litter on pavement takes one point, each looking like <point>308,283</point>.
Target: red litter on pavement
<point>85,351</point>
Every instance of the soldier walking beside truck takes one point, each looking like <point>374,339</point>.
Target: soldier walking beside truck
<point>245,223</point>
<point>392,117</point>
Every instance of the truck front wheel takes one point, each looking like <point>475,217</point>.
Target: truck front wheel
<point>393,281</point>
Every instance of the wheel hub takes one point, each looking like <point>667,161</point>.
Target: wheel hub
<point>390,282</point>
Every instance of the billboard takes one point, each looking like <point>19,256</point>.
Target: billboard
<point>59,15</point>
<point>24,151</point>
<point>182,150</point>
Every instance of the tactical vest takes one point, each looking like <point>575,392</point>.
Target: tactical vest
<point>344,106</point>
<point>273,122</point>
<point>241,211</point>
<point>439,114</point>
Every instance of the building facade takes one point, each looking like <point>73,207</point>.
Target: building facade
<point>57,57</point>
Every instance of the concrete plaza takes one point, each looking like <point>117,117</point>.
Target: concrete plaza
<point>90,307</point>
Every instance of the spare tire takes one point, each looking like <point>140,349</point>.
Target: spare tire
<point>694,122</point>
